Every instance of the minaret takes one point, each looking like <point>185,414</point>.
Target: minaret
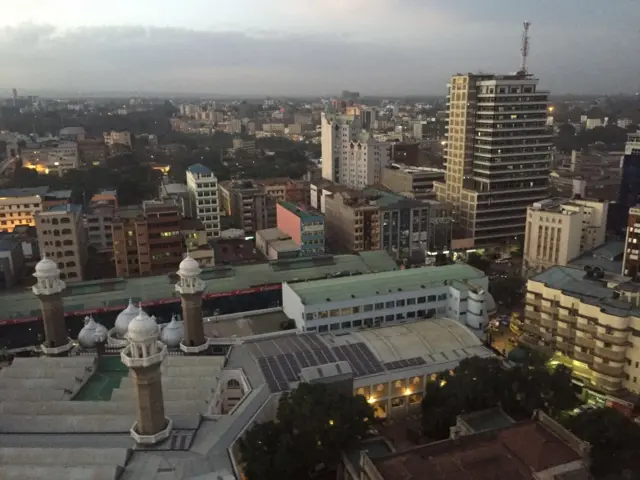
<point>143,355</point>
<point>48,289</point>
<point>190,287</point>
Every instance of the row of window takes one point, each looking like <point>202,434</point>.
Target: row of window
<point>341,312</point>
<point>377,321</point>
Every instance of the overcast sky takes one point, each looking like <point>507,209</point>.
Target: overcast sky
<point>313,46</point>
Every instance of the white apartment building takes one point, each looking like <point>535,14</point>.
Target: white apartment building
<point>202,185</point>
<point>119,138</point>
<point>560,230</point>
<point>62,238</point>
<point>387,298</point>
<point>350,155</point>
<point>18,206</point>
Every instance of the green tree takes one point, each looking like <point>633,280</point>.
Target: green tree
<point>479,262</point>
<point>507,291</point>
<point>614,442</point>
<point>315,423</point>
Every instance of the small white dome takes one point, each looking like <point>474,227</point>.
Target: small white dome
<point>189,267</point>
<point>173,333</point>
<point>46,268</point>
<point>142,328</point>
<point>124,318</point>
<point>92,334</point>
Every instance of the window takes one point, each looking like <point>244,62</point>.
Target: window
<point>389,318</point>
<point>357,323</point>
<point>310,316</point>
<point>431,298</point>
<point>400,303</point>
<point>379,306</point>
<point>346,325</point>
<point>390,304</point>
<point>355,310</point>
<point>411,314</point>
<point>367,308</point>
<point>411,301</point>
<point>422,299</point>
<point>442,296</point>
<point>323,328</point>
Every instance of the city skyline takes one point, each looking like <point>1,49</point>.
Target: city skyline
<point>380,47</point>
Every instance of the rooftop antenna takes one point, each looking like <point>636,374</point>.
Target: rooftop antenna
<point>524,50</point>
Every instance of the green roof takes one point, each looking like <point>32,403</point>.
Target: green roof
<point>116,292</point>
<point>365,286</point>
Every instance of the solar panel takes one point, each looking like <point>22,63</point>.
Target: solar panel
<point>404,363</point>
<point>302,359</point>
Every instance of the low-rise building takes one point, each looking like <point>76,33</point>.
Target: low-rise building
<point>559,230</point>
<point>416,182</point>
<point>18,206</point>
<point>11,260</point>
<point>92,152</point>
<point>274,244</point>
<point>196,242</point>
<point>304,225</point>
<point>350,303</point>
<point>249,207</point>
<point>117,138</point>
<point>62,238</point>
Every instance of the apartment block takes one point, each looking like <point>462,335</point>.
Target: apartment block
<point>286,189</point>
<point>591,321</point>
<point>18,206</point>
<point>196,242</point>
<point>350,155</point>
<point>498,154</point>
<point>62,238</point>
<point>99,219</point>
<point>147,240</point>
<point>202,185</point>
<point>304,225</point>
<point>416,182</point>
<point>386,298</point>
<point>631,259</point>
<point>560,230</point>
<point>117,138</point>
<point>249,207</point>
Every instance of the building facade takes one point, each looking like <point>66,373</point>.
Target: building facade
<point>62,238</point>
<point>416,182</point>
<point>202,185</point>
<point>498,154</point>
<point>559,230</point>
<point>631,259</point>
<point>305,226</point>
<point>350,155</point>
<point>373,300</point>
<point>249,207</point>
<point>591,322</point>
<point>18,206</point>
<point>117,138</point>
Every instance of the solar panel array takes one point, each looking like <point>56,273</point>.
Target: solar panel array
<point>362,361</point>
<point>409,362</point>
<point>305,351</point>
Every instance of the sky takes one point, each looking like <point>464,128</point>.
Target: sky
<point>313,47</point>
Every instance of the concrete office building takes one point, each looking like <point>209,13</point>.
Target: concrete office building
<point>99,219</point>
<point>416,182</point>
<point>591,320</point>
<point>203,189</point>
<point>249,207</point>
<point>350,155</point>
<point>560,230</point>
<point>304,226</point>
<point>349,303</point>
<point>18,206</point>
<point>498,154</point>
<point>117,138</point>
<point>147,240</point>
<point>62,238</point>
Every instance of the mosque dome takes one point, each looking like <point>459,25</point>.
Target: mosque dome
<point>142,328</point>
<point>124,318</point>
<point>92,334</point>
<point>173,333</point>
<point>47,268</point>
<point>189,267</point>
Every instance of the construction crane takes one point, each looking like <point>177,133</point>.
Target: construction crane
<point>524,50</point>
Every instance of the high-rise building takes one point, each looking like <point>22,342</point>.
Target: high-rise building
<point>62,238</point>
<point>249,206</point>
<point>498,153</point>
<point>559,230</point>
<point>350,155</point>
<point>631,260</point>
<point>202,185</point>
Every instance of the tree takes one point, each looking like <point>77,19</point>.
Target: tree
<point>614,442</point>
<point>315,423</point>
<point>479,262</point>
<point>443,259</point>
<point>507,291</point>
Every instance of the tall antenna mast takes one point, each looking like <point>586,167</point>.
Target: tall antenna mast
<point>524,50</point>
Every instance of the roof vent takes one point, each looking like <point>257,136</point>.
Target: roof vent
<point>353,296</point>
<point>423,286</point>
<point>399,289</point>
<point>328,299</point>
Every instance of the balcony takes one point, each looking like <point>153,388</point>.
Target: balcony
<point>610,385</point>
<point>565,332</point>
<point>585,327</point>
<point>529,328</point>
<point>548,323</point>
<point>608,354</point>
<point>608,370</point>
<point>582,357</point>
<point>618,340</point>
<point>585,342</point>
<point>564,347</point>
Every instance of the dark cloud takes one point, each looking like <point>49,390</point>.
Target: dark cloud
<point>180,60</point>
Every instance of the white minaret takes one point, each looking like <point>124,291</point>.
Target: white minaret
<point>48,289</point>
<point>143,355</point>
<point>190,287</point>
